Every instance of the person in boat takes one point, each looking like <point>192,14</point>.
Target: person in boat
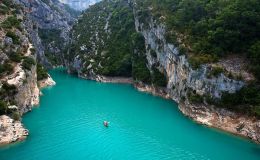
<point>106,123</point>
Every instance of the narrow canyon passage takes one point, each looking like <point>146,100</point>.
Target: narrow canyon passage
<point>68,124</point>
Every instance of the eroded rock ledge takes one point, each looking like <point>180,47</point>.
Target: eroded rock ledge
<point>209,115</point>
<point>46,82</point>
<point>11,130</point>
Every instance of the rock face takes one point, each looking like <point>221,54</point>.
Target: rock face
<point>43,18</point>
<point>80,4</point>
<point>182,79</point>
<point>220,118</point>
<point>18,85</point>
<point>11,131</point>
<point>180,74</point>
<point>46,82</point>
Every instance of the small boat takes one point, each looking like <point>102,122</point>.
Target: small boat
<point>106,123</point>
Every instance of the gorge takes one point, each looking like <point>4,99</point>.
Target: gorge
<point>186,51</point>
<point>142,126</point>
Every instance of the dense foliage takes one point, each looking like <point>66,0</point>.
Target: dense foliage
<point>207,30</point>
<point>28,62</point>
<point>105,41</point>
<point>41,72</point>
<point>245,100</point>
<point>210,27</point>
<point>53,44</point>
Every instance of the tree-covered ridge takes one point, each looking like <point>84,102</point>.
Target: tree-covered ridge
<point>106,40</point>
<point>210,30</point>
<point>213,27</point>
<point>103,38</point>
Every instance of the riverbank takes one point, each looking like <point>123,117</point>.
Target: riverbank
<point>13,130</point>
<point>106,79</point>
<point>211,116</point>
<point>238,124</point>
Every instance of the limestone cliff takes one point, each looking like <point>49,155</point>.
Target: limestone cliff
<point>19,90</point>
<point>90,56</point>
<point>48,23</point>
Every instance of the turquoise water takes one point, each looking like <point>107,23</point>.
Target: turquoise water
<point>68,125</point>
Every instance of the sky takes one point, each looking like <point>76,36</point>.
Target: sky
<point>79,4</point>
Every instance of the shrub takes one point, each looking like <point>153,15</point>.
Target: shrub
<point>153,53</point>
<point>41,72</point>
<point>16,116</point>
<point>8,90</point>
<point>28,62</point>
<point>246,100</point>
<point>197,60</point>
<point>140,71</point>
<point>254,56</point>
<point>14,37</point>
<point>6,68</point>
<point>33,50</point>
<point>215,71</point>
<point>158,78</point>
<point>3,9</point>
<point>3,107</point>
<point>182,50</point>
<point>16,57</point>
<point>10,22</point>
<point>8,3</point>
<point>194,97</point>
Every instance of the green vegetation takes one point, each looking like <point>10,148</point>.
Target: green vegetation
<point>10,22</point>
<point>111,46</point>
<point>50,35</point>
<point>14,37</point>
<point>41,72</point>
<point>254,56</point>
<point>3,9</point>
<point>158,78</point>
<point>194,97</point>
<point>215,71</point>
<point>46,2</point>
<point>106,42</point>
<point>7,90</point>
<point>3,107</point>
<point>214,28</point>
<point>28,62</point>
<point>8,3</point>
<point>5,68</point>
<point>15,57</point>
<point>16,116</point>
<point>197,60</point>
<point>140,70</point>
<point>153,53</point>
<point>245,100</point>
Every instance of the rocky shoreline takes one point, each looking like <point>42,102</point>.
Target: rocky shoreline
<point>46,82</point>
<point>106,79</point>
<point>13,130</point>
<point>211,116</point>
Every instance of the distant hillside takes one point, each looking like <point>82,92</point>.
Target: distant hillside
<point>79,4</point>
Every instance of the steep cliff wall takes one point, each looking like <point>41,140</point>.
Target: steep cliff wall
<point>48,23</point>
<point>19,90</point>
<point>158,66</point>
